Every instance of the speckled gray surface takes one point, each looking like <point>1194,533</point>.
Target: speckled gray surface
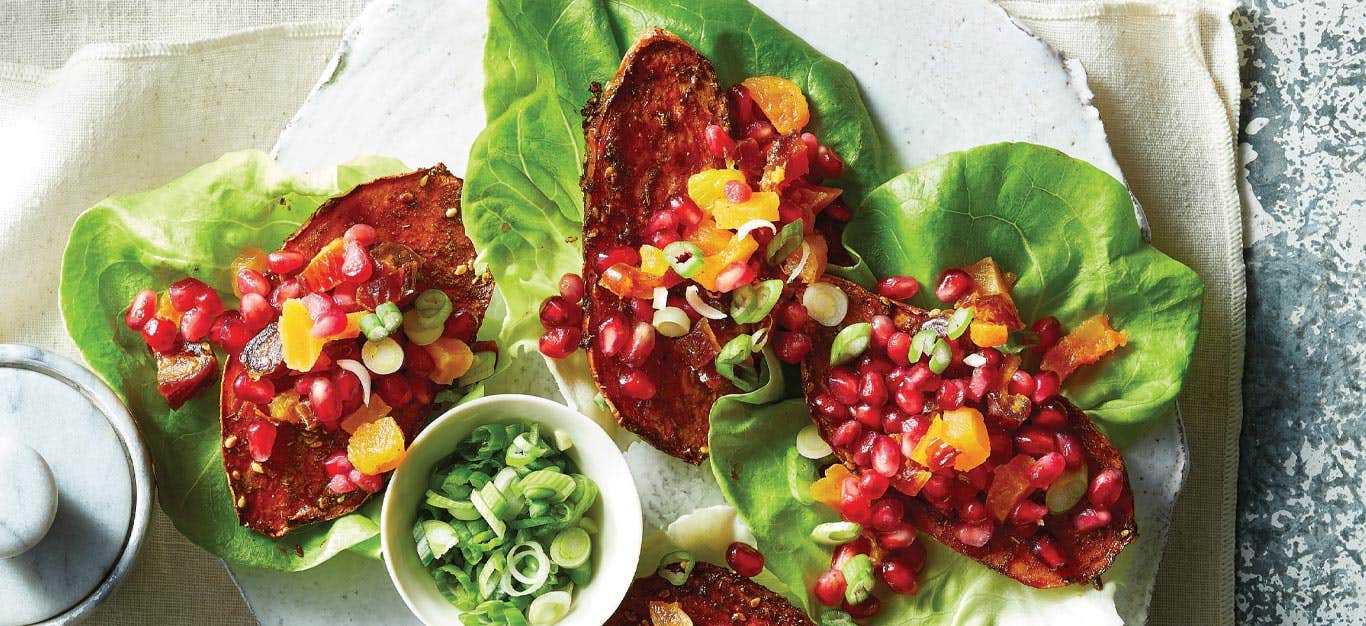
<point>1301,522</point>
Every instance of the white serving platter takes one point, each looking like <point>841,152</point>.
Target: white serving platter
<point>939,76</point>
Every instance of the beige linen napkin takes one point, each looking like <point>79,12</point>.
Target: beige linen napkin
<point>117,118</point>
<point>1165,78</point>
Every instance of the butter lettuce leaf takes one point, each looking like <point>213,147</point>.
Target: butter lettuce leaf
<point>522,203</point>
<point>1069,231</point>
<point>196,225</point>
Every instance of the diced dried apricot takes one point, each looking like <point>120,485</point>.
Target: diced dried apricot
<point>652,261</point>
<point>782,102</point>
<point>826,489</point>
<point>366,413</point>
<point>325,270</point>
<point>298,345</point>
<point>738,250</point>
<point>1087,343</point>
<point>376,447</point>
<point>708,187</point>
<point>1008,486</point>
<point>451,358</point>
<point>288,406</point>
<point>709,237</point>
<point>167,311</point>
<point>965,430</point>
<point>761,205</point>
<point>987,278</point>
<point>988,334</point>
<point>629,282</point>
<point>250,258</point>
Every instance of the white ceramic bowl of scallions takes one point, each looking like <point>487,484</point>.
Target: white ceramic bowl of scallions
<point>494,551</point>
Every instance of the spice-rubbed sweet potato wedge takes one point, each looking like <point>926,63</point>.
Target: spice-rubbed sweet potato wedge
<point>712,596</point>
<point>1022,551</point>
<point>422,245</point>
<point>645,136</point>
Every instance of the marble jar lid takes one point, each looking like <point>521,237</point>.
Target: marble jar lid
<point>76,488</point>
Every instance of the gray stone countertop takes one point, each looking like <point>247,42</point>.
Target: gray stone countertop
<point>1301,519</point>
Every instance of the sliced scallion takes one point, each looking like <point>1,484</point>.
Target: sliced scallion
<point>851,342</point>
<point>570,548</point>
<point>941,356</point>
<point>835,533</point>
<point>676,567</point>
<point>753,302</point>
<point>858,576</point>
<point>684,257</point>
<point>958,323</point>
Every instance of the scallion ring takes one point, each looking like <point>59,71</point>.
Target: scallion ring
<point>753,302</point>
<point>382,357</point>
<point>672,321</point>
<point>851,342</point>
<point>835,533</point>
<point>811,445</point>
<point>785,242</point>
<point>922,343</point>
<point>548,608</point>
<point>705,310</point>
<point>826,304</point>
<point>684,257</point>
<point>571,547</point>
<point>858,576</point>
<point>357,368</point>
<point>676,567</point>
<point>958,323</point>
<point>389,315</point>
<point>661,298</point>
<point>941,356</point>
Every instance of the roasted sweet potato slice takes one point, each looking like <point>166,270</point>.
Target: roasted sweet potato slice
<point>645,137</point>
<point>421,211</point>
<point>1088,554</point>
<point>712,597</point>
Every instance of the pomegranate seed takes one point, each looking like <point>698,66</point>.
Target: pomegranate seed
<point>417,359</point>
<point>1022,383</point>
<point>972,510</point>
<point>920,378</point>
<point>422,388</point>
<point>953,393</point>
<point>1049,331</point>
<point>719,142</point>
<point>868,415</point>
<point>892,421</point>
<point>846,434</point>
<point>876,363</point>
<point>461,326</point>
<point>830,586</point>
<point>913,556</point>
<point>863,452</point>
<point>886,457</point>
<point>953,284</point>
<point>1034,441</point>
<point>336,464</point>
<point>183,293</point>
<point>1002,444</point>
<point>1046,385</point>
<point>846,551</point>
<point>1091,519</point>
<point>843,384</point>
<point>1070,449</point>
<point>830,408</point>
<point>900,537</point>
<point>662,221</point>
<point>330,323</point>
<point>791,316</point>
<point>687,211</point>
<point>913,429</point>
<point>571,287</point>
<point>899,348</point>
<point>256,312</point>
<point>557,311</point>
<point>1046,470</point>
<point>230,332</point>
<point>872,390</point>
<point>980,477</point>
<point>144,308</point>
<point>349,389</point>
<point>887,514</point>
<point>761,132</point>
<point>611,256</point>
<point>1047,550</point>
<point>741,104</point>
<point>641,310</point>
<point>937,488</point>
<point>1051,418</point>
<point>899,577</point>
<point>791,347</point>
<point>318,304</point>
<point>862,610</point>
<point>1028,513</point>
<point>909,399</point>
<point>641,345</point>
<point>288,290</point>
<point>840,212</point>
<point>284,262</point>
<point>882,330</point>
<point>735,275</point>
<point>975,535</point>
<point>613,335</point>
<point>661,239</point>
<point>363,234</point>
<point>898,287</point>
<point>341,483</point>
<point>744,559</point>
<point>853,505</point>
<point>356,265</point>
<point>829,164</point>
<point>195,324</point>
<point>260,440</point>
<point>394,389</point>
<point>637,385</point>
<point>1106,487</point>
<point>370,483</point>
<point>208,302</point>
<point>327,406</point>
<point>872,485</point>
<point>251,390</point>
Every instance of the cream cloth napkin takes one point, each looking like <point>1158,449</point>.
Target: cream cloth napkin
<point>1165,78</point>
<point>123,117</point>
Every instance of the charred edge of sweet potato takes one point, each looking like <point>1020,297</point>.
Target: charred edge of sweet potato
<point>645,135</point>
<point>184,373</point>
<point>421,210</point>
<point>1089,555</point>
<point>712,596</point>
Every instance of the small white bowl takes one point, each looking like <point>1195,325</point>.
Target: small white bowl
<point>616,546</point>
